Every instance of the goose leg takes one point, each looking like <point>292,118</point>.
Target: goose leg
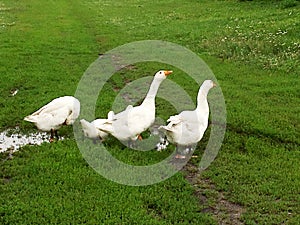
<point>178,153</point>
<point>51,136</point>
<point>129,143</point>
<point>56,134</point>
<point>98,140</point>
<point>132,144</point>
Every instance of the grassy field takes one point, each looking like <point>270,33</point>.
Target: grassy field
<point>253,48</point>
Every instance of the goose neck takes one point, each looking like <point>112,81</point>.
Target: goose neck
<point>153,89</point>
<point>202,100</point>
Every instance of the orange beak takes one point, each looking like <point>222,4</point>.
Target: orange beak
<point>168,72</point>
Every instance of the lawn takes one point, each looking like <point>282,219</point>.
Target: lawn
<point>253,49</point>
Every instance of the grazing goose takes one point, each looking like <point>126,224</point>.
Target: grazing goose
<point>130,123</point>
<point>92,129</point>
<point>188,127</point>
<point>60,111</point>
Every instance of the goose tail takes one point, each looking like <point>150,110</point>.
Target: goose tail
<point>30,118</point>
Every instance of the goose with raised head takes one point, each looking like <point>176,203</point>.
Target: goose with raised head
<point>188,127</point>
<point>130,123</point>
<point>60,111</point>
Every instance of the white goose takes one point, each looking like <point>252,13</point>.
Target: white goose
<point>60,111</point>
<point>92,129</point>
<point>130,123</point>
<point>188,127</point>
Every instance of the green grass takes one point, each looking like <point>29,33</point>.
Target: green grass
<point>253,49</point>
<point>58,186</point>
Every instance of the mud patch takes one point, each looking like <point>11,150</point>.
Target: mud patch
<point>13,139</point>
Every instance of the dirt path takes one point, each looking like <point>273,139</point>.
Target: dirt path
<point>214,201</point>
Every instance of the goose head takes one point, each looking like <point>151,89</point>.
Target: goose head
<point>89,129</point>
<point>162,74</point>
<point>207,85</point>
<point>158,78</point>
